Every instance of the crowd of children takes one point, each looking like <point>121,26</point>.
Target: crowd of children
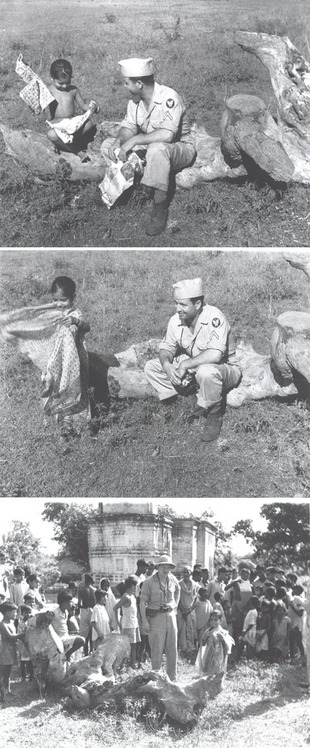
<point>257,613</point>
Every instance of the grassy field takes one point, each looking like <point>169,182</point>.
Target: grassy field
<point>260,705</point>
<point>144,449</point>
<point>192,45</point>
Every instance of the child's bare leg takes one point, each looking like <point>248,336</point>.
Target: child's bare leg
<point>58,144</point>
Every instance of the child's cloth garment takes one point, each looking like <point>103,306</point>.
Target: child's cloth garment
<point>67,127</point>
<point>130,625</point>
<point>8,654</point>
<point>101,618</point>
<point>280,638</point>
<point>250,620</point>
<point>203,608</point>
<point>213,655</point>
<point>58,351</point>
<point>36,94</point>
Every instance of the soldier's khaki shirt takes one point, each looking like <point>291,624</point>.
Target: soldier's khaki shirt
<point>166,110</point>
<point>212,331</point>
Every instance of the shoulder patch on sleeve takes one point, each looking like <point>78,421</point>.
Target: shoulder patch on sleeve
<point>216,322</point>
<point>170,103</point>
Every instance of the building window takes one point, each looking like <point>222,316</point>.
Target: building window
<point>119,564</point>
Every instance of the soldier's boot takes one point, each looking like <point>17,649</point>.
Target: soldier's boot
<point>158,219</point>
<point>213,423</point>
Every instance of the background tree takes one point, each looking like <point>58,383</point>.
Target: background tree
<point>24,549</point>
<point>20,545</point>
<point>71,523</point>
<point>286,540</point>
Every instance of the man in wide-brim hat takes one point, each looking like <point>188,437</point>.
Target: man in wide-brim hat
<point>156,123</point>
<point>159,600</point>
<point>197,355</point>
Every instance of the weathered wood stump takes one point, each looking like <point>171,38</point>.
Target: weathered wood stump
<point>290,79</point>
<point>290,345</point>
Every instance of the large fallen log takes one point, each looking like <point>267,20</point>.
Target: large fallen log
<point>182,703</point>
<point>258,378</point>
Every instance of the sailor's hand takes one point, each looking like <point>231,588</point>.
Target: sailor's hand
<point>111,152</point>
<point>182,370</point>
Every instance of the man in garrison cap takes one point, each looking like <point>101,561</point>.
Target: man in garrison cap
<point>197,354</point>
<point>156,122</point>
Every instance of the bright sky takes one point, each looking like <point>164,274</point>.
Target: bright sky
<point>227,511</point>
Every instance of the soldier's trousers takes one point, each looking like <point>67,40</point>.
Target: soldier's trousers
<point>213,380</point>
<point>161,159</point>
<point>163,640</point>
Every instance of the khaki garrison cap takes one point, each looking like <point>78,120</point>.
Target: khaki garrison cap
<point>189,288</point>
<point>136,67</point>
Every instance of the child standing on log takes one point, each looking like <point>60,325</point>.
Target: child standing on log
<point>129,623</point>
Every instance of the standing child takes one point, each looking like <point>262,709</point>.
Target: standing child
<point>203,610</point>
<point>216,644</point>
<point>99,622</point>
<point>218,599</point>
<point>249,626</point>
<point>280,633</point>
<point>63,291</point>
<point>26,666</point>
<point>9,638</point>
<point>129,623</point>
<point>263,630</point>
<point>66,98</point>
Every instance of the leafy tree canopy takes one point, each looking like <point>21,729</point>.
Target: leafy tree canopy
<point>286,540</point>
<point>71,523</point>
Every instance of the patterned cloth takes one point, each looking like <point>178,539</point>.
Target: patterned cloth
<point>66,128</point>
<point>58,351</point>
<point>36,94</point>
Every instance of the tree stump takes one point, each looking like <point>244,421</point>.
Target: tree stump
<point>290,345</point>
<point>290,79</point>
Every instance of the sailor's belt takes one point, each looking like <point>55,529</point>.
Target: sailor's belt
<point>152,612</point>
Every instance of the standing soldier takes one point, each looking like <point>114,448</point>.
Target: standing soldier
<point>158,604</point>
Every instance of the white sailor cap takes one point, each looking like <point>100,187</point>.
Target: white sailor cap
<point>136,67</point>
<point>189,288</point>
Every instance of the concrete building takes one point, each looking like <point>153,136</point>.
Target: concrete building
<point>127,531</point>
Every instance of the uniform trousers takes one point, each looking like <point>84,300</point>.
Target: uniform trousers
<point>163,640</point>
<point>212,379</point>
<point>161,159</point>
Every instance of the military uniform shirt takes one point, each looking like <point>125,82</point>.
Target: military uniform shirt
<point>212,331</point>
<point>166,110</point>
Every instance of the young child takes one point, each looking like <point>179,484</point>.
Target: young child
<point>216,644</point>
<point>203,610</point>
<point>281,628</point>
<point>249,626</point>
<point>9,638</point>
<point>218,598</point>
<point>63,292</point>
<point>263,630</point>
<point>297,615</point>
<point>26,666</point>
<point>67,98</point>
<point>129,624</point>
<point>99,622</point>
